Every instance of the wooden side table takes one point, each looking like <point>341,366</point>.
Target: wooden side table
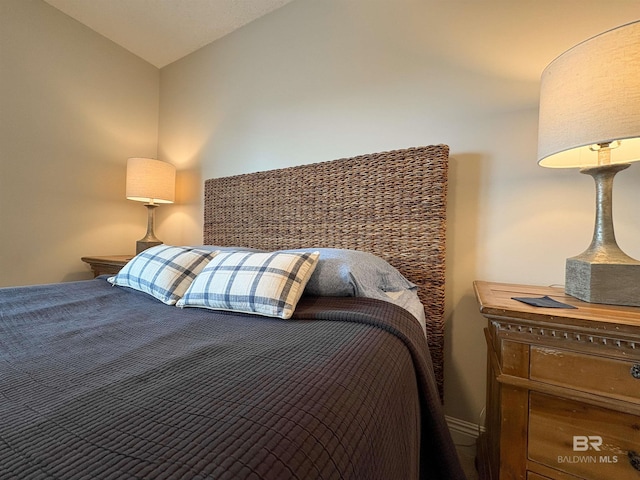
<point>563,387</point>
<point>110,264</point>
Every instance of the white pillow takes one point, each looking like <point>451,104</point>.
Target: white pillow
<point>260,283</point>
<point>164,272</point>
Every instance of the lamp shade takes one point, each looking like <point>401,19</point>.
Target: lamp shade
<point>150,180</point>
<point>590,96</point>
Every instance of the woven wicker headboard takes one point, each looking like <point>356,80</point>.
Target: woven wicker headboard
<point>392,204</point>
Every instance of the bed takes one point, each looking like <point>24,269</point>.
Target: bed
<point>100,379</point>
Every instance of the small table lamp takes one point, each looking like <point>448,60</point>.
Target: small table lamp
<point>590,119</point>
<point>154,182</point>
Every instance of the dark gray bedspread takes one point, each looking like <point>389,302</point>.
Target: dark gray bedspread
<point>100,382</point>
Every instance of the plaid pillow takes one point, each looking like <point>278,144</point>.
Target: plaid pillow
<point>163,271</point>
<point>261,283</point>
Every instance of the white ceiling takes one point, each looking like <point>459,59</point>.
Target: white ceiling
<point>162,31</point>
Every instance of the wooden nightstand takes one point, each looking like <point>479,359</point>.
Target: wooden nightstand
<point>110,264</point>
<point>563,387</point>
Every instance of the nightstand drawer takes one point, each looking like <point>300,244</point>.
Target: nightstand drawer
<point>535,476</point>
<point>588,441</point>
<point>588,373</point>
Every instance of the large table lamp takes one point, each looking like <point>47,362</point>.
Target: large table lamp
<point>590,119</point>
<point>151,181</point>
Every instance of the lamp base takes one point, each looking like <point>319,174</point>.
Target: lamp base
<point>150,239</point>
<point>608,283</point>
<point>142,245</point>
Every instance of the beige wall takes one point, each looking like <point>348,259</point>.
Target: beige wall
<point>73,107</point>
<point>317,80</point>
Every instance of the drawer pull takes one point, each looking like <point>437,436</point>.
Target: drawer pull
<point>635,371</point>
<point>634,459</point>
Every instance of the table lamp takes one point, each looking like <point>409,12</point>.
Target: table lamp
<point>151,181</point>
<point>590,119</point>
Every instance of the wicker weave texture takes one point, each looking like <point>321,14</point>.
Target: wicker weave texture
<point>392,204</point>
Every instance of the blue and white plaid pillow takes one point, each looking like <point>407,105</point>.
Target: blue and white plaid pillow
<point>163,271</point>
<point>261,283</point>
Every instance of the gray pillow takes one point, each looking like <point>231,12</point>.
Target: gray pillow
<point>351,273</point>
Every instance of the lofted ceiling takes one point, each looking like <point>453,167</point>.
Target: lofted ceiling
<point>162,31</point>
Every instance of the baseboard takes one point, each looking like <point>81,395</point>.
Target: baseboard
<point>463,432</point>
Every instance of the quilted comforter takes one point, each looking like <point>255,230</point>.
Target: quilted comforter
<point>101,382</point>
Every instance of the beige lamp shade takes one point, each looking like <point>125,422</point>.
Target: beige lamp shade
<point>590,96</point>
<point>150,180</point>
